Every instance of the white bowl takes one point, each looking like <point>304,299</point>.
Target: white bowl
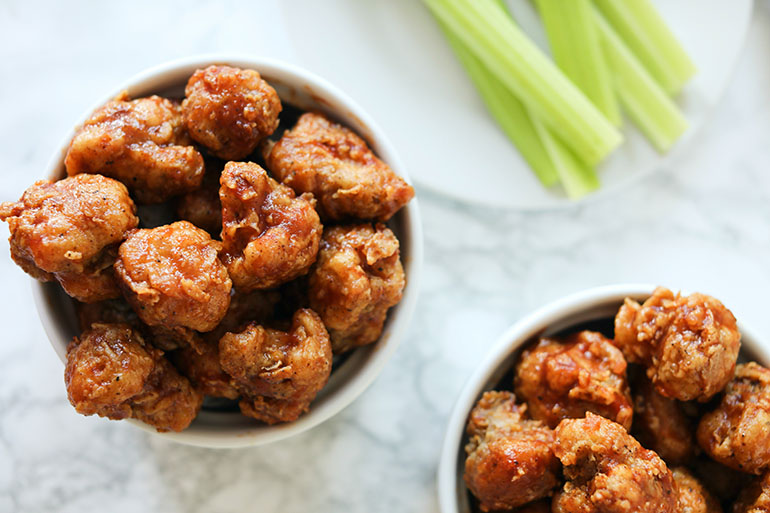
<point>589,305</point>
<point>306,91</point>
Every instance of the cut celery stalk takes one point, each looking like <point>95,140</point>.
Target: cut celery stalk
<point>486,30</point>
<point>574,42</point>
<point>639,24</point>
<point>577,178</point>
<point>508,111</point>
<point>548,157</point>
<point>648,105</point>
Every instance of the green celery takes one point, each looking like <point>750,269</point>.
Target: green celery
<point>486,30</point>
<point>574,42</point>
<point>647,103</point>
<point>508,111</point>
<point>639,24</point>
<point>577,178</point>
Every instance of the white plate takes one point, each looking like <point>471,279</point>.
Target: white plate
<point>391,57</point>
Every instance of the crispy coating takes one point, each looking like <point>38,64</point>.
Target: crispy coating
<point>565,379</point>
<point>140,142</point>
<point>660,424</point>
<point>755,498</point>
<point>278,372</point>
<point>69,231</point>
<point>737,433</point>
<point>510,458</point>
<point>693,496</point>
<point>205,372</point>
<point>608,471</point>
<point>229,110</point>
<point>202,206</point>
<point>172,276</point>
<point>118,310</point>
<point>269,235</point>
<point>357,278</point>
<point>337,166</point>
<point>689,343</point>
<point>113,373</point>
<point>91,287</point>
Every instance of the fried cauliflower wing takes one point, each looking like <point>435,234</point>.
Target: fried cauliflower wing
<point>357,278</point>
<point>565,379</point>
<point>607,471</point>
<point>230,110</point>
<point>172,277</point>
<point>661,425</point>
<point>737,433</point>
<point>279,373</point>
<point>337,166</point>
<point>269,235</point>
<point>140,142</point>
<point>510,458</point>
<point>755,498</point>
<point>693,496</point>
<point>69,231</point>
<point>689,343</point>
<point>113,373</point>
<point>118,311</point>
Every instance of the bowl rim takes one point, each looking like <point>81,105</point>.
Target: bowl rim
<point>447,477</point>
<point>153,78</point>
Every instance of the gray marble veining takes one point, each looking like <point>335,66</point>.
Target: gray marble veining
<point>704,225</point>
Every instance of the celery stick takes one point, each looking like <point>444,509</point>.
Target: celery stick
<point>510,114</point>
<point>574,42</point>
<point>548,157</point>
<point>638,23</point>
<point>577,178</point>
<point>647,103</point>
<point>484,27</point>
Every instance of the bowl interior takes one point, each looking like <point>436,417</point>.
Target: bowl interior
<point>594,309</point>
<point>352,375</point>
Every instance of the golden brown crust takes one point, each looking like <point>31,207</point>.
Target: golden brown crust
<point>693,496</point>
<point>118,311</point>
<point>69,231</point>
<point>510,459</point>
<point>337,166</point>
<point>661,425</point>
<point>278,373</point>
<point>736,434</point>
<point>142,143</point>
<point>113,373</point>
<point>357,278</point>
<point>755,498</point>
<point>172,276</point>
<point>608,471</point>
<point>565,379</point>
<point>269,236</point>
<point>229,110</point>
<point>689,343</point>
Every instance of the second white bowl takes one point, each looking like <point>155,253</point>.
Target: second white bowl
<point>590,305</point>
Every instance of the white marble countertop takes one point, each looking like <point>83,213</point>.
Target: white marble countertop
<point>703,226</point>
